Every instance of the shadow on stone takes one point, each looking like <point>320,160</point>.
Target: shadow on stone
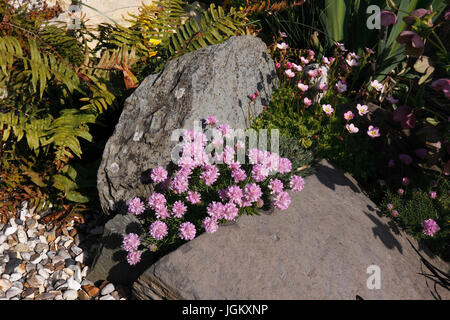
<point>331,177</point>
<point>383,232</point>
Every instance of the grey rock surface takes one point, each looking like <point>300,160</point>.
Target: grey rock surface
<point>217,80</point>
<point>320,248</point>
<point>110,262</point>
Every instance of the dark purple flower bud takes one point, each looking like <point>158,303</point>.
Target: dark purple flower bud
<point>405,159</point>
<point>421,153</point>
<point>387,18</point>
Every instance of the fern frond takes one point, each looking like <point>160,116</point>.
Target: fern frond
<point>267,6</point>
<point>215,26</point>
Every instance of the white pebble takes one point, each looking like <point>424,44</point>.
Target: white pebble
<point>2,238</point>
<point>15,276</point>
<point>74,285</point>
<point>67,243</point>
<point>44,273</point>
<point>70,295</point>
<point>107,289</point>
<point>69,271</point>
<point>13,292</point>
<point>22,236</point>
<point>84,271</point>
<point>77,250</point>
<point>107,297</point>
<point>80,258</point>
<point>10,230</point>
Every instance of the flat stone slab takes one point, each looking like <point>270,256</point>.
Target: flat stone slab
<point>320,248</point>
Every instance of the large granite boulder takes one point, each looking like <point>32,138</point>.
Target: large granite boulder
<point>322,247</point>
<point>217,80</point>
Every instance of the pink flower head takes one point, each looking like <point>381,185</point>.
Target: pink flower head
<point>210,174</point>
<point>376,85</point>
<point>187,231</point>
<point>159,174</point>
<point>312,73</point>
<point>259,172</point>
<point>230,211</point>
<point>351,128</point>
<point>158,230</point>
<point>323,87</point>
<point>157,200</point>
<point>430,227</point>
<point>282,34</point>
<point>252,192</point>
<point>238,175</point>
<point>289,73</point>
<point>311,54</point>
<point>390,206</point>
<point>136,206</point>
<point>278,65</point>
<point>391,163</point>
<point>297,67</point>
<point>134,257</point>
<point>180,184</point>
<point>341,86</point>
<point>215,210</point>
<point>325,60</point>
<point>382,183</point>
<point>282,200</point>
<point>282,46</point>
<point>131,242</point>
<point>405,181</point>
<point>178,209</point>
<point>276,186</point>
<point>211,120</point>
<point>302,87</point>
<point>352,62</point>
<point>284,165</point>
<point>447,15</point>
<point>225,130</point>
<point>362,109</point>
<point>210,225</point>
<point>228,154</point>
<point>405,159</point>
<point>387,18</point>
<point>193,197</point>
<point>304,60</point>
<point>296,183</point>
<point>162,213</point>
<point>395,213</point>
<point>400,192</point>
<point>340,46</point>
<point>432,194</point>
<point>239,145</point>
<point>328,109</point>
<point>307,102</point>
<point>373,132</point>
<point>235,194</point>
<point>349,115</point>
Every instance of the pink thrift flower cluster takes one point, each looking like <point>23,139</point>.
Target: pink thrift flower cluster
<point>136,206</point>
<point>430,227</point>
<point>131,243</point>
<point>216,185</point>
